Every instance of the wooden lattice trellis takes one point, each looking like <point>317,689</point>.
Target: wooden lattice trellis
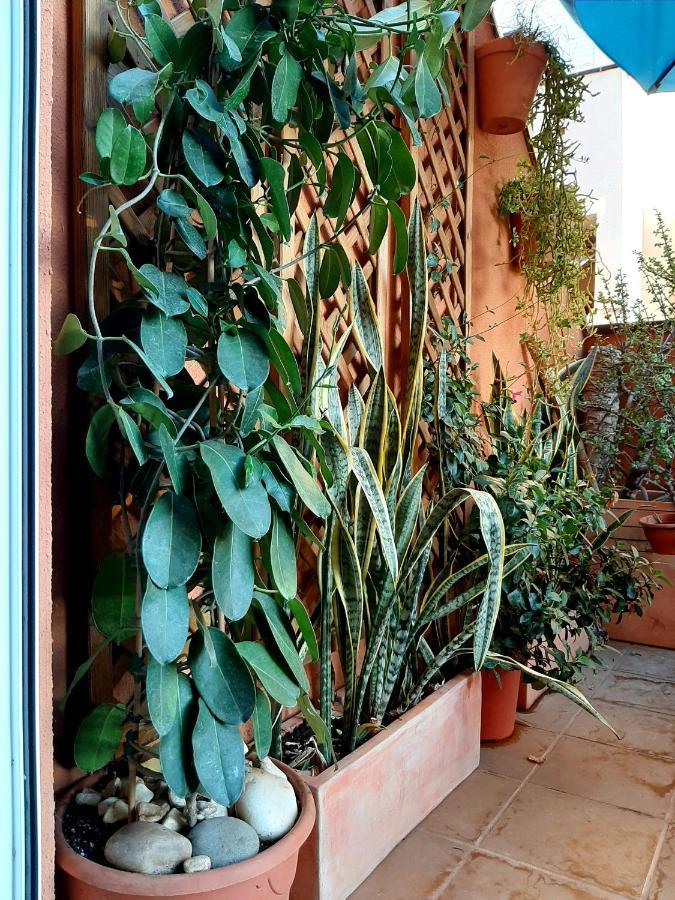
<point>443,161</point>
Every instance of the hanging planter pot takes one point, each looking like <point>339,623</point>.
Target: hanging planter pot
<point>266,876</point>
<point>498,703</point>
<point>507,75</point>
<point>659,529</point>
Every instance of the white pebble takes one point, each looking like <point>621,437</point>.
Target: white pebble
<point>152,812</point>
<point>87,797</point>
<point>197,864</point>
<point>174,820</point>
<point>105,804</point>
<point>116,812</point>
<point>268,804</point>
<point>175,800</point>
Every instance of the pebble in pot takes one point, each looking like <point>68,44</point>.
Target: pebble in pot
<point>268,802</point>
<point>225,840</point>
<point>147,848</point>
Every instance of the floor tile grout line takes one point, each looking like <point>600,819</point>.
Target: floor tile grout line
<point>658,850</point>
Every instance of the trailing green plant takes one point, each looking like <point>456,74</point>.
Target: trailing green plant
<point>205,424</point>
<point>629,408</point>
<point>553,233</point>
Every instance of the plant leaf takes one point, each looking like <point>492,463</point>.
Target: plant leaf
<point>127,162</point>
<point>219,757</point>
<point>221,677</point>
<point>262,725</point>
<point>111,123</point>
<point>248,507</point>
<point>165,617</point>
<point>243,359</point>
<point>161,39</point>
<point>363,468</point>
<point>275,681</point>
<point>275,175</point>
<point>307,488</point>
<point>71,337</point>
<point>281,551</point>
<point>99,736</point>
<point>171,541</point>
<point>113,601</point>
<point>164,341</point>
<point>200,161</point>
<point>175,751</point>
<point>279,627</point>
<point>233,572</point>
<point>285,84</point>
<point>161,686</point>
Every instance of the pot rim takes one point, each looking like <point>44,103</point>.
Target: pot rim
<point>508,45</point>
<point>130,883</point>
<point>650,522</point>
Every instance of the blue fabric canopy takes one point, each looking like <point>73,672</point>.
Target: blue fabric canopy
<point>638,35</point>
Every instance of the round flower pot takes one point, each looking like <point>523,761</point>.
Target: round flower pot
<point>660,532</point>
<point>507,76</point>
<point>270,874</point>
<point>498,704</point>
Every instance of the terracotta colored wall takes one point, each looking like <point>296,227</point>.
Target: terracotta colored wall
<point>496,284</point>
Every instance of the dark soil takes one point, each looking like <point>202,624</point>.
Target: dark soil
<point>85,831</point>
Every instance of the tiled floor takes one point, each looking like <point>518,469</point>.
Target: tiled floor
<point>563,810</point>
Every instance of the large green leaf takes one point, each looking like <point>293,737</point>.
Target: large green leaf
<point>111,123</point>
<point>233,571</point>
<point>285,84</point>
<point>492,529</point>
<point>97,444</point>
<point>248,507</point>
<point>165,617</point>
<point>275,175</point>
<point>161,39</point>
<point>220,676</point>
<point>282,560</point>
<point>248,29</point>
<point>219,757</point>
<point>474,12</point>
<point>175,750</point>
<point>171,541</point>
<point>262,725</point>
<point>283,360</point>
<point>130,430</point>
<point>427,95</point>
<point>305,485</point>
<point>133,86</point>
<point>161,687</point>
<point>113,602</point>
<point>176,462</point>
<point>169,290</point>
<point>243,359</point>
<point>71,337</point>
<point>341,189</point>
<point>280,627</point>
<point>275,681</point>
<point>201,161</point>
<point>164,341</point>
<point>99,736</point>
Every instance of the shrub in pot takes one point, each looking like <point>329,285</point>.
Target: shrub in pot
<point>200,405</point>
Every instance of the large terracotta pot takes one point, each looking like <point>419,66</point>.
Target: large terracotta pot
<point>268,875</point>
<point>659,529</point>
<point>498,705</point>
<point>507,76</point>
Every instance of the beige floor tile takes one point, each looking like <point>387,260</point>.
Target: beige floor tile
<point>579,838</point>
<point>470,808</point>
<point>625,688</point>
<point>623,778</point>
<point>663,886</point>
<point>637,659</point>
<point>417,868</point>
<point>510,757</point>
<point>487,877</point>
<point>640,729</point>
<point>552,713</point>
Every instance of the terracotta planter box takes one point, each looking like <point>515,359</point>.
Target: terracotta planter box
<point>656,627</point>
<point>384,789</point>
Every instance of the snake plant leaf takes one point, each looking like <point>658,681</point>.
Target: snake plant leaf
<point>451,650</point>
<point>223,682</point>
<point>337,460</point>
<point>164,341</point>
<point>233,571</point>
<point>355,411</point>
<point>175,755</point>
<point>304,623</point>
<point>400,237</point>
<point>165,616</point>
<point>113,600</point>
<point>407,510</point>
<point>280,550</point>
<point>307,488</point>
<point>373,429</point>
<point>417,277</point>
<point>272,677</point>
<point>243,359</point>
<point>283,360</point>
<point>492,530</point>
<point>285,84</point>
<point>247,506</point>
<point>171,541</point>
<point>99,736</point>
<point>161,686</point>
<point>554,684</point>
<point>363,468</point>
<point>281,632</point>
<point>349,583</point>
<point>275,176</point>
<point>316,722</point>
<point>161,39</point>
<point>219,757</point>
<point>364,317</point>
<point>200,159</point>
<point>261,721</point>
<point>579,381</point>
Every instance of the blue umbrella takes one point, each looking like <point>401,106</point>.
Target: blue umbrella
<point>638,35</point>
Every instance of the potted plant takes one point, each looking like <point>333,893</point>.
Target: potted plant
<point>201,414</point>
<point>508,71</point>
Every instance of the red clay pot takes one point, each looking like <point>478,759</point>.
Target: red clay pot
<point>660,532</point>
<point>498,705</point>
<point>507,76</point>
<point>264,877</point>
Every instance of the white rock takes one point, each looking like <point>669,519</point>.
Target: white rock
<point>175,800</point>
<point>105,804</point>
<point>209,809</point>
<point>143,792</point>
<point>174,820</point>
<point>197,864</point>
<point>268,804</point>
<point>118,811</point>
<point>270,768</point>
<point>152,812</point>
<point>112,787</point>
<point>88,797</point>
<point>147,848</point>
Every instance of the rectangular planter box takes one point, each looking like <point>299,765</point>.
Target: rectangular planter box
<point>656,627</point>
<point>384,789</point>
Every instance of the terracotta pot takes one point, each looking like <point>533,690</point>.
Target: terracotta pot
<point>507,76</point>
<point>660,532</point>
<point>498,705</point>
<point>268,875</point>
<point>386,787</point>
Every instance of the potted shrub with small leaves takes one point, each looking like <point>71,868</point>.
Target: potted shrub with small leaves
<point>202,414</point>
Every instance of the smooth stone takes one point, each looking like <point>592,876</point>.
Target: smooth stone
<point>143,792</point>
<point>209,809</point>
<point>87,797</point>
<point>152,812</point>
<point>116,812</point>
<point>197,864</point>
<point>175,800</point>
<point>105,805</point>
<point>174,820</point>
<point>147,848</point>
<point>268,804</point>
<point>224,839</point>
